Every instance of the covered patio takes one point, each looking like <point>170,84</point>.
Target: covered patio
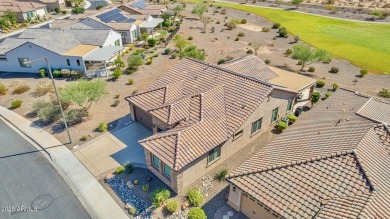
<point>151,24</point>
<point>98,63</point>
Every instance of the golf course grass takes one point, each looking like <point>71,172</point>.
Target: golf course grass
<point>366,45</point>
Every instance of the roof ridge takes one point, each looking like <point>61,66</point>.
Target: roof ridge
<point>292,163</point>
<point>239,59</point>
<point>176,151</point>
<point>231,72</point>
<point>158,136</point>
<point>365,174</point>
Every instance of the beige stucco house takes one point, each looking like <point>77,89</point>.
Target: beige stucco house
<point>330,164</point>
<point>25,11</point>
<point>201,114</point>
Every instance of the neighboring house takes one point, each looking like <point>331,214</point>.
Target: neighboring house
<point>252,66</point>
<point>25,11</point>
<point>128,25</point>
<point>333,163</point>
<point>51,5</point>
<point>201,114</point>
<point>141,7</point>
<point>75,49</point>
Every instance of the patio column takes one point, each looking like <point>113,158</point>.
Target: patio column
<point>105,68</point>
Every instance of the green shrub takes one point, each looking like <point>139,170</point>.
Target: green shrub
<point>220,176</point>
<point>119,170</point>
<point>243,21</point>
<point>78,10</point>
<point>56,73</point>
<point>195,198</point>
<point>3,89</point>
<point>288,52</point>
<point>102,127</point>
<point>166,24</point>
<point>135,91</point>
<point>146,47</point>
<point>335,86</point>
<point>16,103</point>
<point>384,93</point>
<point>237,39</point>
<point>312,69</point>
<point>190,38</point>
<point>282,126</point>
<point>249,51</point>
<point>132,210</point>
<point>283,33</point>
<point>291,118</point>
<point>320,84</point>
<point>99,7</point>
<point>275,25</point>
<point>196,213</point>
<point>241,34</point>
<point>172,205</point>
<point>130,81</point>
<point>42,72</point>
<point>145,188</point>
<point>167,51</point>
<point>149,61</point>
<point>218,22</point>
<point>136,182</point>
<point>65,73</point>
<point>334,70</point>
<point>265,29</point>
<point>315,97</point>
<point>221,61</point>
<point>75,116</point>
<point>159,196</point>
<point>155,55</point>
<point>327,94</point>
<point>152,41</point>
<point>363,72</point>
<point>129,167</point>
<point>267,61</point>
<point>83,138</point>
<point>117,73</point>
<point>174,55</point>
<point>296,39</point>
<point>116,103</point>
<point>57,10</point>
<point>135,61</point>
<point>21,89</point>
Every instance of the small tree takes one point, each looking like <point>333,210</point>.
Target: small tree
<point>205,20</point>
<point>117,73</point>
<point>165,16</point>
<point>178,9</point>
<point>363,72</point>
<point>134,62</point>
<point>308,56</point>
<point>159,196</point>
<point>315,97</point>
<point>335,86</point>
<point>144,36</point>
<point>83,92</point>
<point>193,52</point>
<point>199,10</point>
<point>180,42</point>
<point>296,2</point>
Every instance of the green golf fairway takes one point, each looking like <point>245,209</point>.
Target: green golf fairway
<point>366,45</point>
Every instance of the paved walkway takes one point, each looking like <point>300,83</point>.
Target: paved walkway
<point>96,200</point>
<point>112,149</point>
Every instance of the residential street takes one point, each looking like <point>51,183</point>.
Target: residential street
<point>30,181</point>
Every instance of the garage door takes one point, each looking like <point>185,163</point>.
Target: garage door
<point>144,118</point>
<point>253,210</point>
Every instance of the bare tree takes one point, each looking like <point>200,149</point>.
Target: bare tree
<point>205,20</point>
<point>257,45</point>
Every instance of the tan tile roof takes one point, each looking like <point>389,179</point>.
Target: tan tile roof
<point>251,66</point>
<point>332,131</point>
<point>209,102</point>
<point>17,6</point>
<point>376,110</point>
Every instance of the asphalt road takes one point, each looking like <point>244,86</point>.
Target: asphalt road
<point>28,181</point>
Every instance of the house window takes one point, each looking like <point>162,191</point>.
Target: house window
<point>289,105</point>
<point>237,135</point>
<point>3,58</point>
<point>274,115</point>
<point>155,161</point>
<point>166,170</point>
<point>214,154</point>
<point>78,62</point>
<point>68,62</point>
<point>256,126</point>
<point>24,62</point>
<point>30,14</point>
<point>117,43</point>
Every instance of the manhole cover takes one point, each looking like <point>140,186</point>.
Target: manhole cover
<point>42,202</point>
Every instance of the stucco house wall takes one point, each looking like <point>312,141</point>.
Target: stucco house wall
<point>192,172</point>
<point>33,52</point>
<point>112,38</point>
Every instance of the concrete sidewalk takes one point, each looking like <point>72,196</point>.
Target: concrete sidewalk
<point>96,200</point>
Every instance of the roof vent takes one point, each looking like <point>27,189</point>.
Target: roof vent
<point>338,122</point>
<point>196,77</point>
<point>243,106</point>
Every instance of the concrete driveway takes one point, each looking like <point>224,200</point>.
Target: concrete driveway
<point>110,150</point>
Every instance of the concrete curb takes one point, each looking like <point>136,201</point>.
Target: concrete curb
<point>94,198</point>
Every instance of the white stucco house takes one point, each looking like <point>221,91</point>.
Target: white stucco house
<point>88,50</point>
